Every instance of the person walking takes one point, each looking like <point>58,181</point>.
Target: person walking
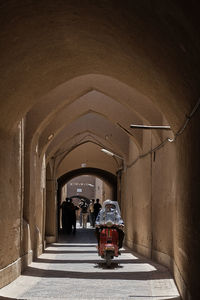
<point>91,213</point>
<point>97,207</point>
<point>84,211</point>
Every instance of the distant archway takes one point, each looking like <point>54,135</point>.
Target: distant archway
<point>108,177</point>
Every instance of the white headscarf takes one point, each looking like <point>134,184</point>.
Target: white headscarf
<point>114,204</point>
<point>113,216</point>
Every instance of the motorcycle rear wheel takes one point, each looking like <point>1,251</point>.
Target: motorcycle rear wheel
<point>109,257</point>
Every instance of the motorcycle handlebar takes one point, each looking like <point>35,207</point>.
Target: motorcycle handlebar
<point>110,226</point>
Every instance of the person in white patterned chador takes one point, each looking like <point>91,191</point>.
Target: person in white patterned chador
<point>110,212</point>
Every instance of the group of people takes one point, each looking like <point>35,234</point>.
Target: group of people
<point>90,210</point>
<point>98,216</point>
<point>86,209</point>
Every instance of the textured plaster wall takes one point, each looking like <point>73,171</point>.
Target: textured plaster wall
<point>10,198</point>
<point>149,207</point>
<point>50,205</point>
<point>137,201</point>
<point>37,204</point>
<point>10,177</point>
<point>161,206</point>
<point>34,193</point>
<point>187,239</point>
<point>107,192</point>
<point>164,197</point>
<point>175,215</point>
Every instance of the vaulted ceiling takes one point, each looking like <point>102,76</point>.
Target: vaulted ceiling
<point>82,72</point>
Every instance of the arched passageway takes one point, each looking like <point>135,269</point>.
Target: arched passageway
<point>108,191</point>
<point>104,175</point>
<point>75,76</point>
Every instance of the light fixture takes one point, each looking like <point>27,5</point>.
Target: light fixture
<point>50,136</point>
<point>111,153</point>
<point>170,140</point>
<point>107,152</point>
<point>165,127</point>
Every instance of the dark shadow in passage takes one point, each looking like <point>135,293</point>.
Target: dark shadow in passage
<point>71,245</point>
<point>77,251</point>
<point>103,265</point>
<point>68,252</point>
<point>175,297</point>
<point>6,298</point>
<point>64,261</point>
<point>68,261</point>
<point>82,236</point>
<point>152,275</point>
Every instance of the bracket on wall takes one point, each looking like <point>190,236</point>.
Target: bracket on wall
<point>163,127</point>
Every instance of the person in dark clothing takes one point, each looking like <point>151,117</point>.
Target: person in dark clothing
<point>73,215</point>
<point>66,216</point>
<point>97,207</point>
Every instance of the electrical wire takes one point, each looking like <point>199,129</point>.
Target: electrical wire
<point>178,133</point>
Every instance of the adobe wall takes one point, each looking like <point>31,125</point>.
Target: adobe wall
<point>161,207</point>
<point>50,208</point>
<point>11,205</point>
<point>187,238</point>
<point>22,210</point>
<point>138,199</point>
<point>34,183</point>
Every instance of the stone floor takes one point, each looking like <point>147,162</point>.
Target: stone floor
<point>71,269</point>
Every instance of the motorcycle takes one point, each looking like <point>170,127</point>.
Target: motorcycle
<point>109,231</point>
<point>108,242</point>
